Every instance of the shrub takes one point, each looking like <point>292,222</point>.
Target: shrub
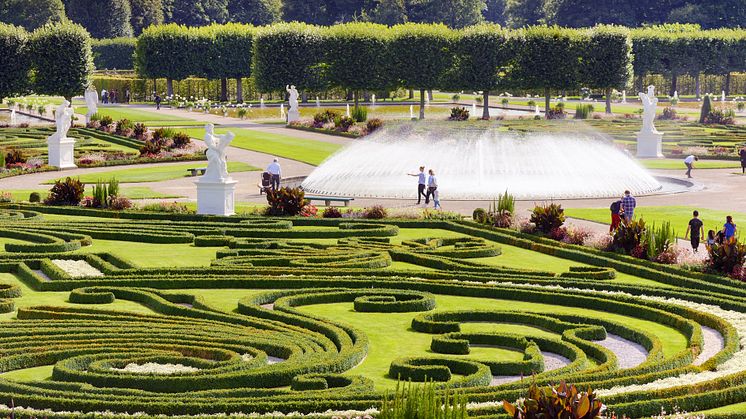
<point>720,116</point>
<point>124,125</point>
<point>423,402</point>
<point>727,258</point>
<point>505,102</point>
<point>456,97</point>
<point>119,203</point>
<point>325,117</point>
<point>242,112</point>
<point>152,146</point>
<point>583,111</point>
<point>331,212</point>
<point>376,212</point>
<point>561,402</point>
<point>308,210</point>
<point>163,133</point>
<point>576,236</point>
<point>557,112</point>
<point>360,114</point>
<point>706,109</point>
<point>740,105</point>
<point>181,140</point>
<point>106,120</point>
<point>14,156</point>
<point>286,201</point>
<point>548,217</point>
<point>374,124</point>
<point>459,114</point>
<point>531,103</point>
<point>139,130</point>
<point>67,192</point>
<point>34,197</point>
<point>669,113</point>
<point>659,240</point>
<point>169,207</point>
<point>479,215</point>
<point>343,123</point>
<point>6,197</point>
<point>629,236</point>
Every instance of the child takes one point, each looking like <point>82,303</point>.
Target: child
<point>710,238</point>
<point>436,199</point>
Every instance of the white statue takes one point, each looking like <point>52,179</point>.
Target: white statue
<point>63,119</point>
<point>217,164</point>
<point>91,101</point>
<point>649,106</point>
<point>293,113</point>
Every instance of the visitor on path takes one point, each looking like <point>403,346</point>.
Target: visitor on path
<point>436,199</point>
<point>113,95</point>
<point>742,156</point>
<point>421,185</point>
<point>689,162</point>
<point>275,171</point>
<point>616,218</point>
<point>127,96</point>
<point>432,186</point>
<point>104,96</point>
<point>158,102</point>
<point>710,239</point>
<point>729,229</point>
<point>628,206</point>
<point>697,230</point>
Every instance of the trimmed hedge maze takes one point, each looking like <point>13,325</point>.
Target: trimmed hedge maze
<point>326,314</point>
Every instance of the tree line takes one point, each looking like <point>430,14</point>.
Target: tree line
<point>126,18</point>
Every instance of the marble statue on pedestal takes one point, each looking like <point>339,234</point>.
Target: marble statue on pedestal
<point>649,140</point>
<point>216,188</point>
<point>293,112</point>
<point>60,148</point>
<point>91,101</point>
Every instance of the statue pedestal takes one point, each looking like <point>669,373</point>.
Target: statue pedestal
<point>293,115</point>
<point>61,152</point>
<point>649,145</point>
<point>216,197</point>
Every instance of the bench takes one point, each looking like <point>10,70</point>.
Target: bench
<point>197,170</point>
<point>329,199</point>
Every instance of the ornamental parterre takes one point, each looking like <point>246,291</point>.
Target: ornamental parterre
<point>305,306</point>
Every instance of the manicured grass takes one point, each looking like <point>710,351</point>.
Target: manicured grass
<point>678,216</point>
<point>131,192</point>
<point>678,164</point>
<point>154,255</point>
<point>138,115</point>
<point>295,148</point>
<point>157,174</point>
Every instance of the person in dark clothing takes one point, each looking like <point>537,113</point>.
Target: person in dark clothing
<point>157,102</point>
<point>742,156</point>
<point>616,218</point>
<point>696,228</point>
<point>421,185</point>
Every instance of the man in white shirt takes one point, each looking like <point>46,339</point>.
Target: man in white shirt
<point>276,173</point>
<point>689,162</point>
<point>420,185</point>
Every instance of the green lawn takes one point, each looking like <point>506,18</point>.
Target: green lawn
<point>295,148</point>
<point>131,192</point>
<point>678,216</point>
<point>156,174</point>
<point>148,117</point>
<point>678,164</point>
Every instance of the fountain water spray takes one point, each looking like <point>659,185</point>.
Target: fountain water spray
<point>261,103</point>
<point>474,164</point>
<point>722,96</point>
<point>624,96</point>
<point>282,111</point>
<point>13,117</point>
<point>347,112</point>
<point>373,99</point>
<point>473,110</point>
<point>411,111</point>
<point>318,103</point>
<point>536,110</point>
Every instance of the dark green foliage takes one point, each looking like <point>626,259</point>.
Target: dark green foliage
<point>495,12</point>
<point>255,12</point>
<point>286,201</point>
<point>706,109</point>
<point>308,11</point>
<point>721,117</point>
<point>226,51</point>
<point>411,401</point>
<point>452,13</point>
<point>197,12</point>
<point>629,237</point>
<point>359,114</point>
<point>61,55</point>
<point>358,56</point>
<point>31,14</point>
<point>181,140</point>
<point>35,197</point>
<point>326,116</point>
<point>344,123</point>
<point>66,192</point>
<point>587,13</point>
<point>520,13</point>
<point>102,18</point>
<point>168,51</point>
<point>459,113</point>
<point>374,124</point>
<point>389,12</point>
<point>479,215</point>
<point>548,217</point>
<point>114,54</point>
<point>299,64</point>
<point>145,13</point>
<point>331,212</point>
<point>606,55</point>
<point>14,156</point>
<point>16,63</point>
<point>583,111</point>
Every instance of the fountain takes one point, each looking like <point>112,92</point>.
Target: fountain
<point>318,103</point>
<point>479,164</point>
<point>473,110</point>
<point>722,96</point>
<point>261,103</point>
<point>411,111</point>
<point>13,117</point>
<point>347,112</point>
<point>373,99</point>
<point>537,112</point>
<point>624,96</point>
<point>282,111</point>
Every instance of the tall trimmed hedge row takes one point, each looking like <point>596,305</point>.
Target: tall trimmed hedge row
<point>114,54</point>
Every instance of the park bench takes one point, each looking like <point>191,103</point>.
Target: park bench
<point>197,171</point>
<point>329,199</point>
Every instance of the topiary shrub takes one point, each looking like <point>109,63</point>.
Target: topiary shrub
<point>35,197</point>
<point>286,201</point>
<point>331,212</point>
<point>67,192</point>
<point>376,212</point>
<point>459,114</point>
<point>479,215</point>
<point>706,109</point>
<point>548,217</point>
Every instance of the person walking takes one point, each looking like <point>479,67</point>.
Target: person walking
<point>628,206</point>
<point>158,102</point>
<point>432,187</point>
<point>127,96</point>
<point>421,184</point>
<point>697,230</point>
<point>616,218</point>
<point>275,171</point>
<point>729,229</point>
<point>104,96</point>
<point>742,156</point>
<point>689,162</point>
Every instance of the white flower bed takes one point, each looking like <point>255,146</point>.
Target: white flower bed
<point>77,268</point>
<point>154,368</point>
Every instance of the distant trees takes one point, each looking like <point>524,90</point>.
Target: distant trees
<point>198,12</point>
<point>145,13</point>
<point>113,54</point>
<point>255,12</point>
<point>31,14</point>
<point>102,18</point>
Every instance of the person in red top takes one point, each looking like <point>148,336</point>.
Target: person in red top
<point>616,218</point>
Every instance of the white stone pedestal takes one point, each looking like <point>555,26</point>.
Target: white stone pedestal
<point>649,145</point>
<point>216,198</point>
<point>61,152</point>
<point>293,115</point>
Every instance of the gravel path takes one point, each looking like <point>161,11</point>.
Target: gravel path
<point>629,354</point>
<point>714,343</point>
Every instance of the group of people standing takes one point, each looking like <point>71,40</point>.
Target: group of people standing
<point>427,186</point>
<point>623,208</point>
<point>114,96</point>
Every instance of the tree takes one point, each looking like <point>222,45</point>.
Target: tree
<point>255,12</point>
<point>452,13</point>
<point>606,59</point>
<point>31,14</point>
<point>389,12</point>
<point>102,18</point>
<point>549,59</point>
<point>520,13</point>
<point>289,53</point>
<point>368,68</point>
<point>198,12</point>
<point>421,55</point>
<point>483,55</point>
<point>587,13</point>
<point>227,53</point>
<point>16,63</point>
<point>111,54</point>
<point>62,59</point>
<point>168,51</point>
<point>495,11</point>
<point>308,11</point>
<point>145,13</point>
